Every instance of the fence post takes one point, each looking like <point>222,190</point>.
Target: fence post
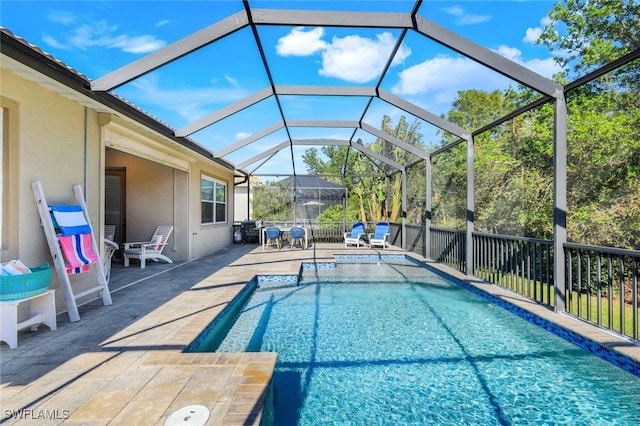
<point>427,222</point>
<point>470,206</point>
<point>560,200</point>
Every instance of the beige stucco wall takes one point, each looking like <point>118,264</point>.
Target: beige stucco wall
<point>210,237</point>
<point>241,200</point>
<point>48,143</point>
<point>49,147</point>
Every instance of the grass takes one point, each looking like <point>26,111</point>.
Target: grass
<point>586,307</point>
<point>588,304</point>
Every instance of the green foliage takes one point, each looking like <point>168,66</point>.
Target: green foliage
<point>449,186</point>
<point>592,33</point>
<point>514,161</point>
<point>365,178</point>
<point>272,201</point>
<point>603,175</point>
<point>335,213</point>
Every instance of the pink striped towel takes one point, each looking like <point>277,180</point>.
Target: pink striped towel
<point>77,252</point>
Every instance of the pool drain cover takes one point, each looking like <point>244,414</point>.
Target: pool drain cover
<point>189,415</point>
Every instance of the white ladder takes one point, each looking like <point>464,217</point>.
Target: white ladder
<point>58,260</point>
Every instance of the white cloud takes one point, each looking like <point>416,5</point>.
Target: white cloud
<point>464,18</point>
<point>138,44</point>
<point>50,41</point>
<point>61,17</point>
<point>532,35</point>
<point>512,53</point>
<point>162,23</point>
<point>545,67</point>
<point>352,58</point>
<point>442,76</point>
<point>231,80</point>
<point>359,59</point>
<point>100,34</point>
<point>191,104</point>
<point>436,81</point>
<point>241,135</point>
<point>301,43</point>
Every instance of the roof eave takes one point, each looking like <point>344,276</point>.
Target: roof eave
<point>48,66</point>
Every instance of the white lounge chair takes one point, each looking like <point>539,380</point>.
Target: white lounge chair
<point>109,249</point>
<point>110,232</point>
<point>356,236</point>
<point>149,250</point>
<point>380,236</point>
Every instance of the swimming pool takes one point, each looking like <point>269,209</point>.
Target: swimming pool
<point>391,342</point>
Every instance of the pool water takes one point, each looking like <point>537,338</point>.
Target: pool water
<point>391,343</point>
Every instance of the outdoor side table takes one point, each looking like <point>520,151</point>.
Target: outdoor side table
<point>42,308</point>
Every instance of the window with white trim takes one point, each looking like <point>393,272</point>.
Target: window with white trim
<point>213,194</point>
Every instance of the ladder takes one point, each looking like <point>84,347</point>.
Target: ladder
<point>102,287</point>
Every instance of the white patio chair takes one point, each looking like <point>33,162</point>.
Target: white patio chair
<point>110,232</point>
<point>109,249</point>
<point>149,250</point>
<point>356,236</point>
<point>380,236</point>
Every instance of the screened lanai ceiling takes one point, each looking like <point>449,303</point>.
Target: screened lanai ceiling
<point>260,82</point>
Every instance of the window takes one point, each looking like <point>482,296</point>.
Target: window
<point>214,200</point>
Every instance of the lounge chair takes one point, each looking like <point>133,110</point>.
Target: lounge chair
<point>380,236</point>
<point>149,250</point>
<point>110,232</point>
<point>274,236</point>
<point>298,235</point>
<point>356,236</point>
<point>109,249</point>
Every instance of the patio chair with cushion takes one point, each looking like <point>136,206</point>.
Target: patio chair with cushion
<point>380,236</point>
<point>149,250</point>
<point>356,236</point>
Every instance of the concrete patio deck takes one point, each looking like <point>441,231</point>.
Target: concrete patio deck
<point>123,364</point>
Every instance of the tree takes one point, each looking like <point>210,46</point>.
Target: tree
<point>315,165</point>
<point>592,33</point>
<point>365,178</point>
<point>376,188</point>
<point>603,138</point>
<point>272,201</point>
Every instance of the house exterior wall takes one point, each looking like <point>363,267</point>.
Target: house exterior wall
<point>241,200</point>
<point>207,238</point>
<point>48,145</point>
<point>60,142</point>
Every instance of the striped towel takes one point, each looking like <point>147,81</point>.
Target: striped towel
<point>77,252</point>
<point>70,220</point>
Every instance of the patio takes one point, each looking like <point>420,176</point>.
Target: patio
<point>123,364</point>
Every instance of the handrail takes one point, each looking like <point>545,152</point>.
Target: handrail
<point>608,250</point>
<point>601,282</point>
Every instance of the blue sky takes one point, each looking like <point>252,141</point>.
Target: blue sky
<point>98,37</point>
